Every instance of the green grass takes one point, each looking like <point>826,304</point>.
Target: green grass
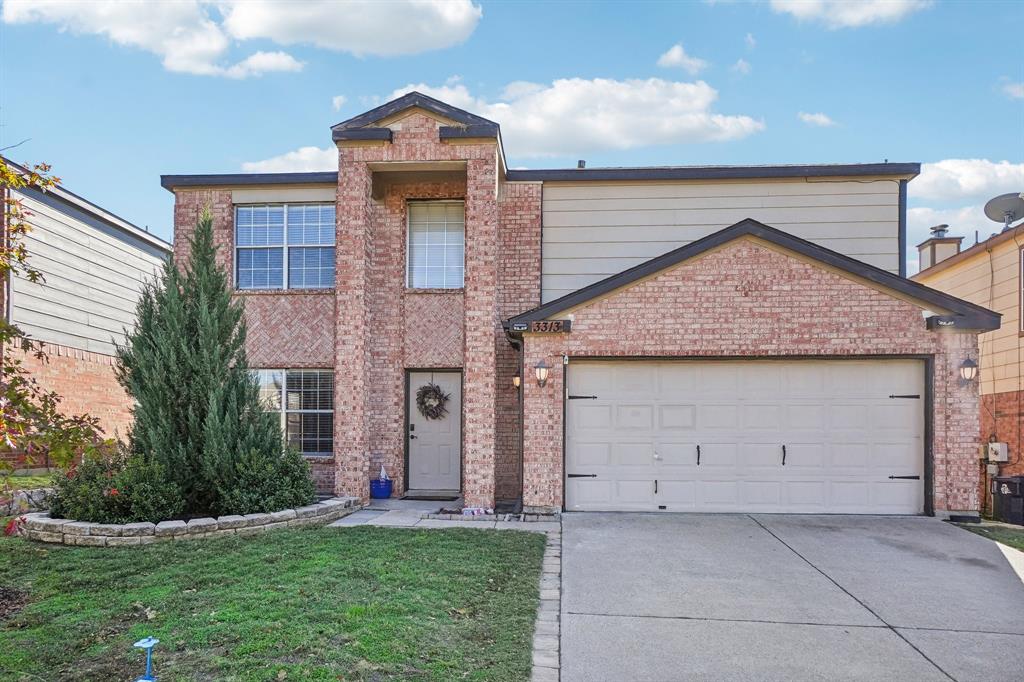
<point>30,482</point>
<point>1008,536</point>
<point>334,604</point>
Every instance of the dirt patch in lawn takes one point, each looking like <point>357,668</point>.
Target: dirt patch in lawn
<point>11,601</point>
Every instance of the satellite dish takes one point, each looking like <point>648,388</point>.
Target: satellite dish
<point>1005,209</point>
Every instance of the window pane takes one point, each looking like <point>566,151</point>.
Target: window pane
<point>259,225</point>
<point>310,267</point>
<point>312,434</point>
<point>260,268</point>
<point>270,381</point>
<point>311,224</point>
<point>436,244</point>
<point>310,390</point>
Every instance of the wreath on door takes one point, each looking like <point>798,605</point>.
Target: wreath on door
<point>431,401</point>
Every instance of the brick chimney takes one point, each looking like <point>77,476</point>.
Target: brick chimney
<point>938,247</point>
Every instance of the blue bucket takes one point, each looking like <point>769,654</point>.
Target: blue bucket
<point>380,490</point>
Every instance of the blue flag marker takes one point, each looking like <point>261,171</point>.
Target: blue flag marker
<point>148,643</point>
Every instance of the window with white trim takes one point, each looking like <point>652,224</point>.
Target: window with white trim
<point>305,400</point>
<point>284,246</point>
<point>436,245</point>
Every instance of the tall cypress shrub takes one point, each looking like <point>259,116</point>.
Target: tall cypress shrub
<point>197,410</point>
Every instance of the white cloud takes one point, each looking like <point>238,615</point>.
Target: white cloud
<point>750,41</point>
<point>742,66</point>
<point>195,36</point>
<point>676,57</point>
<point>1013,90</point>
<point>360,27</point>
<point>302,160</point>
<point>818,120</point>
<point>837,14</point>
<point>967,179</point>
<point>338,101</point>
<point>576,116</point>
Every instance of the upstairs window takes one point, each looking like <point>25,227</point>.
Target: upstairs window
<point>437,245</point>
<point>282,246</point>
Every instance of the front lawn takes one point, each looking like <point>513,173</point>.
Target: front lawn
<point>1014,537</point>
<point>334,604</point>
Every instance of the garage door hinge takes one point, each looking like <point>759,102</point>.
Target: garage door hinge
<point>582,397</point>
<point>911,397</point>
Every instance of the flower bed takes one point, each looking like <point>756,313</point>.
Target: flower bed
<point>42,528</point>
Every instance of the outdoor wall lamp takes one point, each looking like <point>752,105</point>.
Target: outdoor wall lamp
<point>968,371</point>
<point>542,369</point>
<point>517,380</point>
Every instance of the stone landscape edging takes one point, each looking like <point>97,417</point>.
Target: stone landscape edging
<point>41,528</point>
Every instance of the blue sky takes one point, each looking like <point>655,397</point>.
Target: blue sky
<point>114,94</point>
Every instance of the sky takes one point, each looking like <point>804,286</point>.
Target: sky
<point>114,94</point>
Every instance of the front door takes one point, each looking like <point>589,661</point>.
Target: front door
<point>435,435</point>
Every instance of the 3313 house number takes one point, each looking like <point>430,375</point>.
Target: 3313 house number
<point>550,326</point>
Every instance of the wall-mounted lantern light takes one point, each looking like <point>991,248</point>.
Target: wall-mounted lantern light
<point>517,380</point>
<point>542,369</point>
<point>968,371</point>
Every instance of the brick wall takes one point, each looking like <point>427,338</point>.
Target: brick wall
<point>86,383</point>
<point>747,299</point>
<point>1002,418</point>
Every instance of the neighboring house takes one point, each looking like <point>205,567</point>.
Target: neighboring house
<point>94,264</point>
<point>989,274</point>
<point>685,338</point>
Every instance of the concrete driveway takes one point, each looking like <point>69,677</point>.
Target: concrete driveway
<point>735,597</point>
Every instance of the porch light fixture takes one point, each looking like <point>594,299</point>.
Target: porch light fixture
<point>968,371</point>
<point>542,369</point>
<point>517,380</point>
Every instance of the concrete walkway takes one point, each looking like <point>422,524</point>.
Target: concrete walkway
<point>775,597</point>
<point>409,518</point>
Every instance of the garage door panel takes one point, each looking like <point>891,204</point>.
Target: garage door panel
<point>677,417</point>
<point>844,436</point>
<point>634,417</point>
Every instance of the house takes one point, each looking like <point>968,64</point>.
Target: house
<point>678,338</point>
<point>93,264</point>
<point>989,274</point>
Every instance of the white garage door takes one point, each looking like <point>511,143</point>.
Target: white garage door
<point>844,436</point>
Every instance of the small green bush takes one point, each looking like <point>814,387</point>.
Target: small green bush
<point>263,484</point>
<point>118,489</point>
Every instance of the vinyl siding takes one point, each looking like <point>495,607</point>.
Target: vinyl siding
<point>593,230</point>
<point>92,280</point>
<point>992,280</point>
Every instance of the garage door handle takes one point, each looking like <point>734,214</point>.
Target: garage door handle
<point>909,478</point>
<point>783,455</point>
<point>581,475</point>
<point>698,455</point>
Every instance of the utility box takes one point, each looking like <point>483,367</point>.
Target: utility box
<point>1008,499</point>
<point>998,452</point>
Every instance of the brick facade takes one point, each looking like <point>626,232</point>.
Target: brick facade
<point>747,299</point>
<point>1002,420</point>
<point>85,382</point>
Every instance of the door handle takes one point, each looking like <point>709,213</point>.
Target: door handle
<point>783,455</point>
<point>412,436</point>
<point>698,455</point>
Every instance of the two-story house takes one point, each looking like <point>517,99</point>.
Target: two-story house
<point>677,338</point>
<point>94,265</point>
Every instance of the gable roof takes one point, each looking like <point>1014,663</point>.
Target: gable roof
<point>969,315</point>
<point>346,130</point>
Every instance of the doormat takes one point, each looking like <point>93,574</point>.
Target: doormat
<point>432,498</point>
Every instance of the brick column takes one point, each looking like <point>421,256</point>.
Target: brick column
<point>351,367</point>
<point>482,329</point>
<point>542,425</point>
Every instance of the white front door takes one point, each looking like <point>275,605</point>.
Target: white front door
<point>804,436</point>
<point>435,445</point>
